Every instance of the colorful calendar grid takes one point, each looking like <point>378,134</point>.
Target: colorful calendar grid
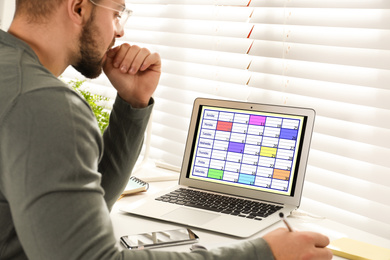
<point>247,149</point>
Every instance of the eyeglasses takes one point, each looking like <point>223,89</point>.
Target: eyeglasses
<point>121,17</point>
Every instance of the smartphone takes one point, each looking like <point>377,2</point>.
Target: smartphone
<point>159,239</point>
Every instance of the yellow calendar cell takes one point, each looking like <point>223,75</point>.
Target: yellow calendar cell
<point>268,152</point>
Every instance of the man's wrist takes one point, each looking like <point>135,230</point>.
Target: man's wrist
<point>134,102</point>
<point>122,104</point>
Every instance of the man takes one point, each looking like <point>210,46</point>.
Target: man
<point>58,177</point>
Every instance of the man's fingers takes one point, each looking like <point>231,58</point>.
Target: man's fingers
<point>124,57</point>
<point>320,240</point>
<point>112,52</point>
<point>138,60</point>
<point>151,60</point>
<point>131,58</point>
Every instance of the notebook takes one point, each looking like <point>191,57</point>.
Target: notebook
<point>134,185</point>
<point>358,250</point>
<point>241,150</point>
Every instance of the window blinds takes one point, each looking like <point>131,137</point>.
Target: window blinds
<point>330,55</point>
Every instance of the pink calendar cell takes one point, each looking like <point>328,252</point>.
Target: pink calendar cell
<point>257,120</point>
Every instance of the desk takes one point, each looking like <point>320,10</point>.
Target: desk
<point>125,224</point>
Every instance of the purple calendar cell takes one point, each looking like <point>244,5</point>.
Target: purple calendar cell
<point>289,134</point>
<point>257,120</point>
<point>236,147</point>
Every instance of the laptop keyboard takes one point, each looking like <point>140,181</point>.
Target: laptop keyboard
<point>220,203</point>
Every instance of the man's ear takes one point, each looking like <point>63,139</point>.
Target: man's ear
<point>79,11</point>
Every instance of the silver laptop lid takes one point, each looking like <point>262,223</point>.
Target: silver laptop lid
<point>251,150</point>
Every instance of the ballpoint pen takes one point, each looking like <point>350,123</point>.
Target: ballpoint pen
<point>281,215</point>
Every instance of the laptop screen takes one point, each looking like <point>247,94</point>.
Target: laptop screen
<point>258,150</point>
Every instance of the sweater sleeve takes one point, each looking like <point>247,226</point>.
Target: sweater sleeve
<point>123,141</point>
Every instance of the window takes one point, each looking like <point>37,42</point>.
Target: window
<point>333,56</point>
<point>6,13</point>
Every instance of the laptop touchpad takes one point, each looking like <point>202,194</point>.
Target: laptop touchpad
<point>195,217</point>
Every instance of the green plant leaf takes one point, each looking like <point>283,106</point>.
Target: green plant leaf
<point>102,116</point>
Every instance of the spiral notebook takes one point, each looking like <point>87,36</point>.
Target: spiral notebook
<point>135,185</point>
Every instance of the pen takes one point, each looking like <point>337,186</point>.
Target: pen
<point>281,215</point>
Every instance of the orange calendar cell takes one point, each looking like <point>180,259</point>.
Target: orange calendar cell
<point>281,174</point>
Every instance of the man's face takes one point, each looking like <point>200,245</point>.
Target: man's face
<point>91,50</point>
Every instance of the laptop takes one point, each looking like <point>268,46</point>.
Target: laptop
<point>251,154</point>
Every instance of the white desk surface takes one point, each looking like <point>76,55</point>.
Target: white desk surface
<point>126,224</point>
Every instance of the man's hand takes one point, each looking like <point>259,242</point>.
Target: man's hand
<point>134,72</point>
<point>287,245</point>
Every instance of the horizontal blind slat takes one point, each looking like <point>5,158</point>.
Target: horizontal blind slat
<point>193,12</point>
<point>230,44</point>
<point>367,77</point>
<point>351,18</point>
<point>348,202</point>
<point>345,217</point>
<point>193,2</point>
<point>329,36</point>
<point>349,184</point>
<point>369,58</point>
<point>352,167</point>
<point>365,4</point>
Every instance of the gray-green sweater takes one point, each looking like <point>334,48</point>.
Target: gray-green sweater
<point>59,178</point>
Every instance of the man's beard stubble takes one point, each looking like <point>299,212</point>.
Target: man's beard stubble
<point>90,62</point>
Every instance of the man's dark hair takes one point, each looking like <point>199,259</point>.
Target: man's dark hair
<point>36,10</point>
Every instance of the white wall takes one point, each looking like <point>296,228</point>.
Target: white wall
<point>7,8</point>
